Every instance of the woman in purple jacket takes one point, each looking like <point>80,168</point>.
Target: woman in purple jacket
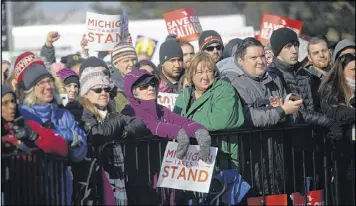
<point>141,89</point>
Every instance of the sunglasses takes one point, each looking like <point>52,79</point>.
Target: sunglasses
<point>143,87</point>
<point>211,48</point>
<point>99,90</point>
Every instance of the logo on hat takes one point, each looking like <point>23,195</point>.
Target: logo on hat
<point>75,57</point>
<point>165,57</point>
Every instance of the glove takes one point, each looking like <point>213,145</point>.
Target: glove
<point>22,130</point>
<point>183,144</point>
<point>204,141</point>
<point>335,131</point>
<point>48,141</point>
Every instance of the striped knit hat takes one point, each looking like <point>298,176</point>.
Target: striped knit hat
<point>68,76</point>
<point>90,77</point>
<point>121,51</point>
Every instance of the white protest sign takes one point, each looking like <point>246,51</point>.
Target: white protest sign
<point>241,33</point>
<point>105,31</point>
<point>167,99</point>
<point>191,173</point>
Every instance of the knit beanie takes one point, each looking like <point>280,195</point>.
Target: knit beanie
<point>68,76</point>
<point>29,70</point>
<point>231,47</point>
<point>169,49</point>
<point>5,89</point>
<point>92,62</point>
<point>280,38</point>
<point>121,51</point>
<point>90,77</point>
<point>209,37</point>
<point>340,46</point>
<point>171,36</point>
<point>55,67</point>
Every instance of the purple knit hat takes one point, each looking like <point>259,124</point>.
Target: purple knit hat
<point>68,76</point>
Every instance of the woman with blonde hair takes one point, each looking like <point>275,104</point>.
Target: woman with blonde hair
<point>38,106</point>
<point>210,101</point>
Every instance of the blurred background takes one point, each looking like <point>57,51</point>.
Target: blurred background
<point>335,20</point>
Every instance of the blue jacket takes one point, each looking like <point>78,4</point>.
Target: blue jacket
<point>64,125</point>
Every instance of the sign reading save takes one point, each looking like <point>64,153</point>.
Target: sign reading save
<point>272,22</point>
<point>184,23</point>
<point>191,173</point>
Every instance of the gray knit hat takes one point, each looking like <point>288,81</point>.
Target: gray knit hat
<point>91,77</point>
<point>341,46</point>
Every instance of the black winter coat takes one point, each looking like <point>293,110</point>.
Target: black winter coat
<point>299,81</point>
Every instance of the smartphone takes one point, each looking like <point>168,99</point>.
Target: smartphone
<point>295,97</point>
<point>64,98</point>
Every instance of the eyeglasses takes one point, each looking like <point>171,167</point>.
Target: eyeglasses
<point>43,84</point>
<point>99,90</point>
<point>143,87</point>
<point>211,48</point>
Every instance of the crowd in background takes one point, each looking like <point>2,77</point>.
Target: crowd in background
<point>64,106</point>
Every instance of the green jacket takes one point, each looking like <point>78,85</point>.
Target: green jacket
<point>219,108</point>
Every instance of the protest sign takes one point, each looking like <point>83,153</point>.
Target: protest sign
<point>314,198</point>
<point>303,49</point>
<point>105,31</point>
<point>184,23</point>
<point>167,99</point>
<point>191,173</point>
<point>146,45</point>
<point>272,22</point>
<point>270,200</point>
<point>242,33</point>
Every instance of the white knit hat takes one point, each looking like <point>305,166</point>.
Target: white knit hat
<point>91,77</point>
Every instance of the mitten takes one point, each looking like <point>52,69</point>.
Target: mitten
<point>204,141</point>
<point>183,144</point>
<point>48,141</point>
<point>22,130</point>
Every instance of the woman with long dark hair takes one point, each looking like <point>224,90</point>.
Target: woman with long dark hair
<point>337,92</point>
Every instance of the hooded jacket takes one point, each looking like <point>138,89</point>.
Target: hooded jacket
<point>158,119</point>
<point>254,93</point>
<point>298,80</point>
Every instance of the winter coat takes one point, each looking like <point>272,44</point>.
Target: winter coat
<point>254,93</point>
<point>63,123</point>
<point>298,80</point>
<point>158,119</point>
<point>114,127</point>
<point>219,108</point>
<point>49,54</point>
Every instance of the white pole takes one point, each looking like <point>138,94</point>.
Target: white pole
<point>9,19</point>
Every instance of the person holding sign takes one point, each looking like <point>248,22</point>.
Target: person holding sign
<point>210,42</point>
<point>141,89</point>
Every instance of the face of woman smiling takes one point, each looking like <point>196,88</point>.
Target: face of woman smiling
<point>203,77</point>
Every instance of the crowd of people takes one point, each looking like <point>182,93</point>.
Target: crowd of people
<point>63,107</point>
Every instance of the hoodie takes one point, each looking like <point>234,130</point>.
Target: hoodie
<point>158,119</point>
<point>254,93</point>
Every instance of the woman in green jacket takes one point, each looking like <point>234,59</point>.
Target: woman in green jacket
<point>211,102</point>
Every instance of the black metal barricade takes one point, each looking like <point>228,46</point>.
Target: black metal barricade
<point>272,160</point>
<point>35,179</point>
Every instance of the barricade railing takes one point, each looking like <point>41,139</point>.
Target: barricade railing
<point>34,179</point>
<point>272,160</point>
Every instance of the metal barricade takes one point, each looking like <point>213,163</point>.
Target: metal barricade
<point>35,179</point>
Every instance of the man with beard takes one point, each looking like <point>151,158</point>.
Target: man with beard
<point>319,55</point>
<point>171,63</point>
<point>210,42</point>
<point>188,53</point>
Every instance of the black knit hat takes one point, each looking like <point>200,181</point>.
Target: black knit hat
<point>171,36</point>
<point>92,62</point>
<point>169,49</point>
<point>280,38</point>
<point>209,37</point>
<point>231,47</point>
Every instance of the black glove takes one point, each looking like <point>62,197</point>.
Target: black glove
<point>22,130</point>
<point>335,132</point>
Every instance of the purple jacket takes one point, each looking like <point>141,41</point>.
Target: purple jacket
<point>158,119</point>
